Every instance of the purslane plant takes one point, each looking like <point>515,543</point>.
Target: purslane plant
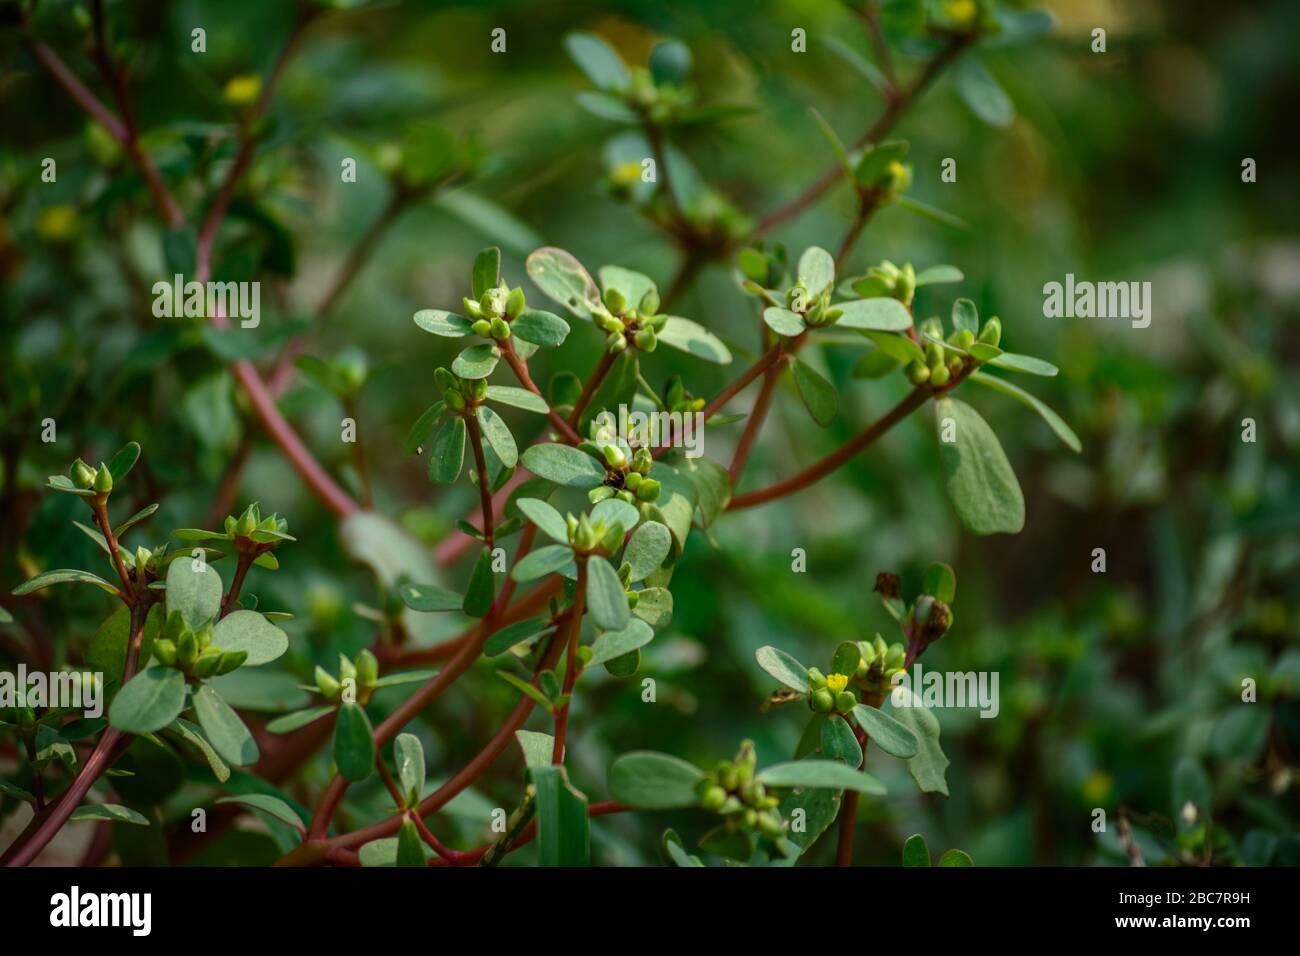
<point>601,589</point>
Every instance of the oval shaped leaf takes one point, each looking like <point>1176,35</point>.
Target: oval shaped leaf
<point>195,593</point>
<point>783,667</point>
<point>647,549</point>
<point>564,465</point>
<point>653,781</point>
<point>562,277</point>
<point>979,480</point>
<point>886,732</point>
<point>688,336</point>
<point>251,632</point>
<point>447,324</point>
<point>821,774</point>
<point>354,747</point>
<point>447,454</point>
<point>223,728</point>
<point>149,701</point>
<point>877,315</point>
<point>606,601</point>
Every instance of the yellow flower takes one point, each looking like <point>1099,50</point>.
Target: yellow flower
<point>837,682</point>
<point>960,12</point>
<point>57,223</point>
<point>243,90</point>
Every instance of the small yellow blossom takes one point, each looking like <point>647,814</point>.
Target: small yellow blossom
<point>57,223</point>
<point>243,90</point>
<point>837,682</point>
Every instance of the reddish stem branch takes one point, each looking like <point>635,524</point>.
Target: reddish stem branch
<point>520,368</point>
<point>571,662</point>
<point>598,374</point>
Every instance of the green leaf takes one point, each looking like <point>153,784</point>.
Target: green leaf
<point>783,667</point>
<point>672,847</point>
<point>273,807</point>
<point>482,590</point>
<point>965,317</point>
<point>487,271</point>
<point>537,747</point>
<point>195,593</point>
<point>135,519</point>
<point>606,106</point>
<point>670,62</point>
<point>647,549</point>
<point>123,461</point>
<point>654,606</point>
<point>839,742</point>
<point>632,286</point>
<point>354,745</point>
<point>563,828</point>
<point>564,465</point>
<point>107,651</point>
<point>653,781</point>
<point>816,270</point>
<point>540,328</point>
<point>562,277</point>
<point>251,632</point>
<point>477,361</point>
<point>818,395</point>
<point>518,398</point>
<point>854,59</point>
<point>419,434</point>
<point>112,812</point>
<point>983,94</point>
<point>597,60</point>
<point>940,583</point>
<point>447,324</point>
<point>410,849</point>
<point>45,579</point>
<point>877,315</point>
<point>223,728</point>
<point>429,597</point>
<point>1054,421</point>
<point>545,517</point>
<point>1024,363</point>
<point>498,435</point>
<point>614,644</point>
<point>15,791</point>
<point>887,733</point>
<point>938,274</point>
<point>447,454</point>
<point>527,689</point>
<point>409,755</point>
<point>826,774</point>
<point>929,765</point>
<point>614,511</point>
<point>915,851</point>
<point>783,321</point>
<point>542,561</point>
<point>846,658</point>
<point>517,633</point>
<point>712,486</point>
<point>956,858</point>
<point>606,602</point>
<point>299,718</point>
<point>695,339</point>
<point>979,480</point>
<point>932,213</point>
<point>149,701</point>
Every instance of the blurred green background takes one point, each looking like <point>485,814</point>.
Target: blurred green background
<point>1118,690</point>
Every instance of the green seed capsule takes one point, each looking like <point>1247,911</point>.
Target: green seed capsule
<point>478,388</point>
<point>206,665</point>
<point>231,660</point>
<point>615,302</point>
<point>816,678</point>
<point>481,327</point>
<point>769,824</point>
<point>646,340</point>
<point>845,701</point>
<point>515,302</point>
<point>187,649</point>
<point>326,682</point>
<point>991,334</point>
<point>615,457</point>
<point>472,308</point>
<point>642,460</point>
<point>713,799</point>
<point>648,490</point>
<point>649,304</point>
<point>918,373</point>
<point>633,480</point>
<point>443,379</point>
<point>165,651</point>
<point>728,776</point>
<point>965,339</point>
<point>748,818</point>
<point>822,700</point>
<point>618,343</point>
<point>939,376</point>
<point>367,669</point>
<point>82,475</point>
<point>455,401</point>
<point>500,329</point>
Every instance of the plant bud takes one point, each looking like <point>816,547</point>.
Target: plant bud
<point>656,322</point>
<point>571,523</point>
<point>515,302</point>
<point>246,525</point>
<point>633,480</point>
<point>443,379</point>
<point>918,373</point>
<point>231,660</point>
<point>481,327</point>
<point>347,670</point>
<point>954,365</point>
<point>728,775</point>
<point>822,700</point>
<point>612,539</point>
<point>617,343</point>
<point>713,798</point>
<point>769,824</point>
<point>615,457</point>
<point>748,818</point>
<point>648,490</point>
<point>991,334</point>
<point>206,665</point>
<point>165,651</point>
<point>585,539</point>
<point>627,496</point>
<point>646,340</point>
<point>642,460</point>
<point>607,322</point>
<point>965,339</point>
<point>142,556</point>
<point>939,376</point>
<point>367,669</point>
<point>472,308</point>
<point>500,329</point>
<point>455,401</point>
<point>895,656</point>
<point>326,683</point>
<point>615,302</point>
<point>230,523</point>
<point>478,388</point>
<point>845,701</point>
<point>82,475</point>
<point>816,678</point>
<point>187,649</point>
<point>203,636</point>
<point>103,479</point>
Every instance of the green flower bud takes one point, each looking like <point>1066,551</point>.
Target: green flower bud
<point>478,388</point>
<point>642,460</point>
<point>367,669</point>
<point>965,339</point>
<point>203,636</point>
<point>822,700</point>
<point>347,670</point>
<point>231,660</point>
<point>174,626</point>
<point>648,490</point>
<point>472,308</point>
<point>748,818</point>
<point>646,340</point>
<point>633,480</point>
<point>878,645</point>
<point>991,334</point>
<point>616,343</point>
<point>187,649</point>
<point>230,524</point>
<point>500,329</point>
<point>455,401</point>
<point>632,598</point>
<point>845,701</point>
<point>481,327</point>
<point>895,656</point>
<point>954,365</point>
<point>816,678</point>
<point>612,540</point>
<point>939,376</point>
<point>769,824</point>
<point>615,302</point>
<point>713,799</point>
<point>443,379</point>
<point>165,651</point>
<point>615,457</point>
<point>607,322</point>
<point>728,775</point>
<point>918,373</point>
<point>82,475</point>
<point>103,479</point>
<point>649,303</point>
<point>246,524</point>
<point>627,496</point>
<point>326,683</point>
<point>585,539</point>
<point>206,665</point>
<point>933,355</point>
<point>142,556</point>
<point>515,302</point>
